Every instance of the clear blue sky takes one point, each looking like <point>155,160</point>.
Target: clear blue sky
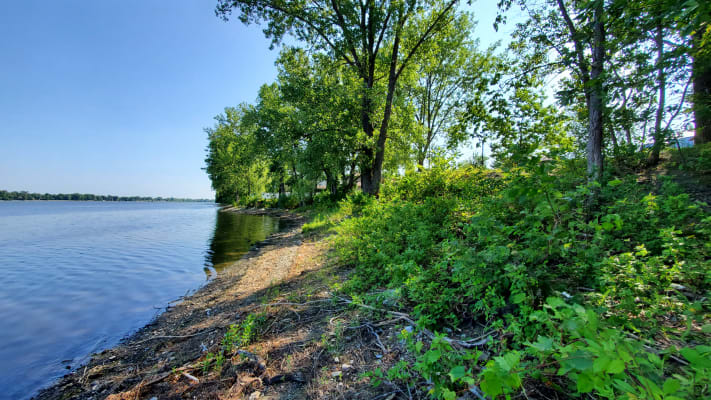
<point>111,96</point>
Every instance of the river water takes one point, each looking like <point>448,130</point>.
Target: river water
<point>76,277</point>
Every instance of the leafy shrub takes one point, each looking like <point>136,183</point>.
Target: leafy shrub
<point>696,158</point>
<point>577,354</point>
<point>488,247</point>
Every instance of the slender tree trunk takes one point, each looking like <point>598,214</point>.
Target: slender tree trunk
<point>422,154</point>
<point>372,172</point>
<point>628,134</point>
<point>661,81</point>
<point>331,182</point>
<point>701,70</point>
<point>595,106</point>
<point>366,169</point>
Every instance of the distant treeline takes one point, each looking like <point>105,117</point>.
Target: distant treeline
<point>5,195</point>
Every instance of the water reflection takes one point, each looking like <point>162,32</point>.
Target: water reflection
<point>233,236</point>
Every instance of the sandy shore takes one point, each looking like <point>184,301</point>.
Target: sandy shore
<point>309,344</point>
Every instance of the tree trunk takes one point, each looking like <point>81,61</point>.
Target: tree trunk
<point>595,99</point>
<point>615,144</point>
<point>372,171</point>
<point>661,81</point>
<point>701,71</point>
<point>331,182</point>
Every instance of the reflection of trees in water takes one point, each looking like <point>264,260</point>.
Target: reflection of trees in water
<point>233,236</point>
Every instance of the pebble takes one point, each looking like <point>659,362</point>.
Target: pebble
<point>346,367</point>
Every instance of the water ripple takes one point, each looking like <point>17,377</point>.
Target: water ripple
<point>76,277</point>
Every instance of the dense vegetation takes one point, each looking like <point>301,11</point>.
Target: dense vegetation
<point>558,277</point>
<point>5,195</point>
<point>614,304</point>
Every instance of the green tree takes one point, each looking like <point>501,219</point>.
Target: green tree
<point>373,38</point>
<point>233,163</point>
<point>448,71</point>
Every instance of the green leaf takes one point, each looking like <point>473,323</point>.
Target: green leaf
<point>600,364</point>
<point>542,343</point>
<point>615,367</point>
<point>584,384</point>
<point>448,394</point>
<point>555,302</point>
<point>623,386</point>
<point>418,346</point>
<point>457,372</point>
<point>654,359</point>
<point>491,385</point>
<point>695,358</point>
<point>671,385</point>
<point>518,298</point>
<point>508,361</point>
<point>433,356</point>
<point>580,360</point>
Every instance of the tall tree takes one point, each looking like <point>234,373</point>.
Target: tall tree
<point>373,38</point>
<point>574,34</point>
<point>448,71</point>
<point>234,162</point>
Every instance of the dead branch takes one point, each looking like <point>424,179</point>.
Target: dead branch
<point>467,344</point>
<point>172,337</point>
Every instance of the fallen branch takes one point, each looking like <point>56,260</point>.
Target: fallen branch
<point>192,378</point>
<point>377,339</point>
<point>286,303</point>
<point>467,344</point>
<point>172,337</point>
<point>655,351</point>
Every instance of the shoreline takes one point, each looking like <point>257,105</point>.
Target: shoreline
<point>187,325</point>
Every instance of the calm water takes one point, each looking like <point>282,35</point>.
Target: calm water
<point>76,277</point>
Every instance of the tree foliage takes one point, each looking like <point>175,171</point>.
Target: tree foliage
<point>580,275</point>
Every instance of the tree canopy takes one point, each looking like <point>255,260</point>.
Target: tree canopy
<point>373,89</point>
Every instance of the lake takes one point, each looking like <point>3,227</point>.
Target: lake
<point>77,277</point>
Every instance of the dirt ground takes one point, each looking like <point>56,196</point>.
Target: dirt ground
<point>307,345</point>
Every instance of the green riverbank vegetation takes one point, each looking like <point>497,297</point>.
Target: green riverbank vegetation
<point>568,260</point>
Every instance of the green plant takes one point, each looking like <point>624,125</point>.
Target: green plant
<point>450,370</point>
<point>577,353</point>
<point>206,363</point>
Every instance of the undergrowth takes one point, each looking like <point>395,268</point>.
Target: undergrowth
<point>613,303</point>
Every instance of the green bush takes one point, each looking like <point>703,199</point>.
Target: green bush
<point>488,247</point>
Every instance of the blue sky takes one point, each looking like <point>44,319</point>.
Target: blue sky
<point>111,96</point>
